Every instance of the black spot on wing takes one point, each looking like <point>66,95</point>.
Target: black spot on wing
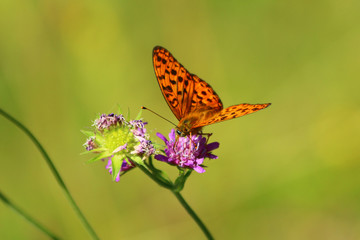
<point>167,88</point>
<point>174,103</point>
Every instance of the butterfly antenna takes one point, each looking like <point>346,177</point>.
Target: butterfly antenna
<point>159,115</point>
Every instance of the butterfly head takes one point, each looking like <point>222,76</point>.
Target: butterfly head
<point>178,132</point>
<point>185,128</point>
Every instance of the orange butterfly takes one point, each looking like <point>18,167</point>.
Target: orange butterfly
<point>192,100</point>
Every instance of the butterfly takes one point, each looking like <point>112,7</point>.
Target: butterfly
<point>192,100</point>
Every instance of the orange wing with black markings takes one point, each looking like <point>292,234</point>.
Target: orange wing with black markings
<point>184,92</point>
<point>232,112</point>
<point>193,101</point>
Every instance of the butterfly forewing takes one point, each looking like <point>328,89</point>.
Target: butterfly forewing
<point>184,92</point>
<point>171,77</point>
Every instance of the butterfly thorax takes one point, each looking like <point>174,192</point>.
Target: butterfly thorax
<point>191,123</point>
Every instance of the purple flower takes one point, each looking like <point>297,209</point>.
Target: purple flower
<point>90,144</point>
<point>187,152</point>
<point>106,121</point>
<point>145,146</point>
<point>138,127</point>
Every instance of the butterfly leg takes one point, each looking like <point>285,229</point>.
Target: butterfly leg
<point>176,141</point>
<point>191,141</point>
<point>206,134</point>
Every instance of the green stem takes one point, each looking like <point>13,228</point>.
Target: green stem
<point>181,200</point>
<point>155,179</point>
<point>54,171</point>
<point>28,217</point>
<point>193,215</point>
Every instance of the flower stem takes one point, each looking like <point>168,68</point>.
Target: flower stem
<point>167,185</point>
<point>28,217</point>
<point>54,171</point>
<point>172,187</point>
<point>193,215</point>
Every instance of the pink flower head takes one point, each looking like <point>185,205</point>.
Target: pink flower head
<point>187,152</point>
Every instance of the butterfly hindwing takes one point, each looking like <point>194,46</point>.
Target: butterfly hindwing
<point>232,112</point>
<point>205,96</point>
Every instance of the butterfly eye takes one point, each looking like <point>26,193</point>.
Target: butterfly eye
<point>178,132</point>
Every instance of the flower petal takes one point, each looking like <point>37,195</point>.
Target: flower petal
<point>172,135</point>
<point>199,169</point>
<point>199,161</point>
<point>162,137</point>
<point>211,156</point>
<point>212,146</point>
<point>161,158</point>
<point>118,149</point>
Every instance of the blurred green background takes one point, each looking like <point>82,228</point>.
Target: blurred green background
<point>288,172</point>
